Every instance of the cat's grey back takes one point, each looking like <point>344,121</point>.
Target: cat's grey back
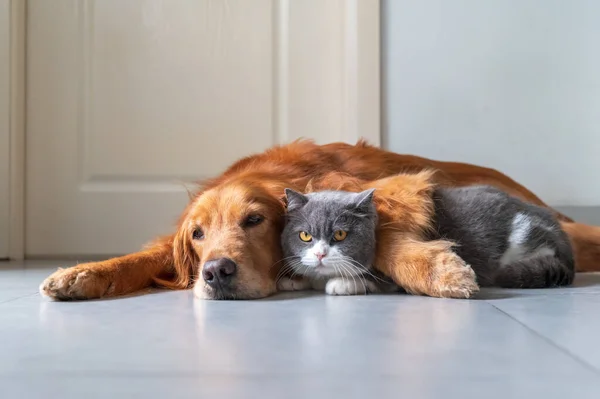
<point>493,228</point>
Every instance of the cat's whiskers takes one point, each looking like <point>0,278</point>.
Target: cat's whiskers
<point>302,269</point>
<point>283,260</point>
<point>285,269</point>
<point>353,275</point>
<point>282,273</point>
<point>359,272</point>
<point>338,272</point>
<point>363,270</point>
<point>341,272</point>
<point>359,266</point>
<point>295,267</point>
<point>288,267</point>
<point>342,258</point>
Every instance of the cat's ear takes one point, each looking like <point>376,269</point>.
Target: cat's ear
<point>363,200</point>
<point>295,199</point>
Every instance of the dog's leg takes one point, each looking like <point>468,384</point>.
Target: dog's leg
<point>425,268</point>
<point>117,276</point>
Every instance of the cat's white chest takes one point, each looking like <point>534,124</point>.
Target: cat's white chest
<point>332,286</point>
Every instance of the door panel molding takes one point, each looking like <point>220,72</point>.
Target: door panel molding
<point>107,79</point>
<point>4,126</point>
<point>327,77</point>
<point>13,107</point>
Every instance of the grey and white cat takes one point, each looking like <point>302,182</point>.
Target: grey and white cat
<point>329,240</point>
<point>508,243</point>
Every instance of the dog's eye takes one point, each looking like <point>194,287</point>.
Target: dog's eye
<point>198,234</point>
<point>253,220</point>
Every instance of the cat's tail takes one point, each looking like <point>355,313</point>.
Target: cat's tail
<point>537,272</point>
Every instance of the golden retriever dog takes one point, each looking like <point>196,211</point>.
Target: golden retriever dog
<point>226,245</point>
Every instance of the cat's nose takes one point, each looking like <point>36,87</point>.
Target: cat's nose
<point>320,255</point>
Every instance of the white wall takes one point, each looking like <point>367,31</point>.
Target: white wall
<point>510,84</point>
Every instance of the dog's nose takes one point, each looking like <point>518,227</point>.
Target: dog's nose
<point>219,271</point>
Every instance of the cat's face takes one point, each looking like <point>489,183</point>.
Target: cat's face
<point>329,233</point>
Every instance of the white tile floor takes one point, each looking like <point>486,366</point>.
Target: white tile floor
<point>507,344</point>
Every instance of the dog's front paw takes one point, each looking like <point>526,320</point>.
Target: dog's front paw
<point>340,286</point>
<point>453,277</point>
<point>85,281</point>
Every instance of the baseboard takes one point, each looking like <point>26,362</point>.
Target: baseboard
<point>72,258</point>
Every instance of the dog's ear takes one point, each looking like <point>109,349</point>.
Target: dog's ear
<point>184,262</point>
<point>295,200</point>
<point>186,259</point>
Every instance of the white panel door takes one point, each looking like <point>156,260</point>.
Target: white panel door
<point>4,124</point>
<point>127,100</point>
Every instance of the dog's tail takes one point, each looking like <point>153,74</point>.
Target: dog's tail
<point>585,241</point>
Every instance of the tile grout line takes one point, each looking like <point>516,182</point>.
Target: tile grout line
<point>17,298</point>
<point>551,342</point>
<point>527,296</point>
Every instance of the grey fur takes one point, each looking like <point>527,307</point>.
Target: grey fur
<point>321,214</point>
<point>488,224</point>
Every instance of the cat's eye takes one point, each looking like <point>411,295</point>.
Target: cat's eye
<point>304,236</point>
<point>340,235</point>
<point>198,234</point>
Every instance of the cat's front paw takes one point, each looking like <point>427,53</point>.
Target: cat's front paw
<point>289,284</point>
<point>340,286</point>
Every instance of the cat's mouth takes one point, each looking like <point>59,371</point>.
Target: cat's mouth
<point>324,270</point>
<point>320,268</point>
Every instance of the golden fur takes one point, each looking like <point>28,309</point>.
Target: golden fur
<point>255,185</point>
